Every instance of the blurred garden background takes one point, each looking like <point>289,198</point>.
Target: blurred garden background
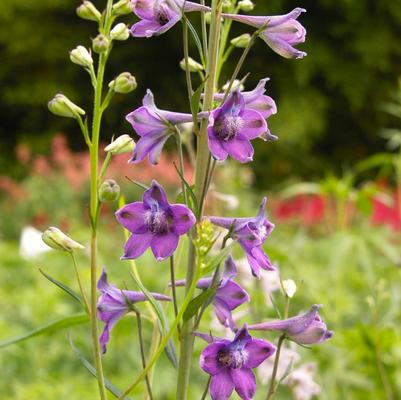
<point>333,181</point>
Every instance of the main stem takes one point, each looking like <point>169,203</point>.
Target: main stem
<point>202,162</point>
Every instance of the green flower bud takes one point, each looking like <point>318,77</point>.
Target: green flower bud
<point>123,144</point>
<point>58,240</point>
<point>205,237</point>
<point>226,6</point>
<point>246,5</point>
<point>60,105</point>
<point>192,65</point>
<point>119,32</point>
<point>88,11</point>
<point>122,7</point>
<point>100,44</point>
<point>109,191</point>
<point>124,83</point>
<point>81,56</point>
<point>241,41</point>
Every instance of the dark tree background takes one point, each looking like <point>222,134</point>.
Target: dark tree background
<point>329,103</point>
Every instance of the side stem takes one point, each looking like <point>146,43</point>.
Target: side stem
<point>273,385</point>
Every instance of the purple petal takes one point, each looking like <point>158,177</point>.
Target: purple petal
<point>239,148</point>
<point>184,218</point>
<point>105,336</point>
<point>254,124</point>
<point>150,144</point>
<point>156,151</point>
<point>234,104</point>
<point>221,386</point>
<point>132,217</point>
<point>209,361</point>
<point>189,6</point>
<point>281,47</point>
<point>155,194</point>
<point>136,245</point>
<point>144,121</point>
<point>215,145</point>
<point>230,269</point>
<point>164,245</point>
<point>258,351</point>
<point>281,19</point>
<point>232,294</point>
<point>260,257</point>
<point>252,20</point>
<point>103,284</point>
<point>223,314</point>
<point>242,337</point>
<point>145,28</point>
<point>223,222</point>
<point>245,382</point>
<point>144,9</point>
<point>264,104</point>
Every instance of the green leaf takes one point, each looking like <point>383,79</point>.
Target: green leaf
<point>375,161</point>
<point>110,387</point>
<point>163,322</point>
<point>190,191</point>
<point>217,259</point>
<point>66,289</point>
<point>197,302</point>
<point>196,38</point>
<point>51,327</point>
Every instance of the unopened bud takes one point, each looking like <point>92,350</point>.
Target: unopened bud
<point>60,105</point>
<point>241,41</point>
<point>124,83</point>
<point>88,11</point>
<point>193,66</point>
<point>122,7</point>
<point>100,44</point>
<point>123,144</point>
<point>58,240</point>
<point>236,84</point>
<point>289,287</point>
<point>81,56</point>
<point>119,32</point>
<point>246,5</point>
<point>226,6</point>
<point>109,191</point>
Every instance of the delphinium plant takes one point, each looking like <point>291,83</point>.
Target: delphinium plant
<point>223,120</point>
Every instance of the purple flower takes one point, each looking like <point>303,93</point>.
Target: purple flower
<point>154,223</point>
<point>229,295</point>
<point>114,303</point>
<point>158,16</point>
<point>251,234</point>
<point>306,328</point>
<point>258,101</point>
<point>230,364</point>
<point>282,31</point>
<point>154,127</point>
<point>231,128</point>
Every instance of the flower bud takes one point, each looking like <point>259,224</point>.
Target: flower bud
<point>88,11</point>
<point>123,144</point>
<point>119,32</point>
<point>241,41</point>
<point>109,191</point>
<point>124,83</point>
<point>81,56</point>
<point>58,240</point>
<point>60,105</point>
<point>246,5</point>
<point>226,6</point>
<point>236,84</point>
<point>100,44</point>
<point>122,7</point>
<point>192,65</point>
<point>289,288</point>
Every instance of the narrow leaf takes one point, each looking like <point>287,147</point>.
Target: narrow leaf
<point>197,302</point>
<point>196,38</point>
<point>62,286</point>
<point>53,326</point>
<point>217,259</point>
<point>110,387</point>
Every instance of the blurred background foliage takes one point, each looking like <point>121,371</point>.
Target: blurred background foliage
<point>329,103</point>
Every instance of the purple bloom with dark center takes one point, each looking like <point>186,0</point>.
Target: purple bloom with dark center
<point>154,223</point>
<point>154,126</point>
<point>282,31</point>
<point>230,364</point>
<point>158,16</point>
<point>250,234</point>
<point>229,295</point>
<point>114,303</point>
<point>258,101</point>
<point>231,128</point>
<point>306,328</point>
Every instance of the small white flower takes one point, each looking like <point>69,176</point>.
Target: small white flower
<point>31,245</point>
<point>289,287</point>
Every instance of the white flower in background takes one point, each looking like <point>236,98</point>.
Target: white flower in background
<point>232,202</point>
<point>289,287</point>
<point>31,244</point>
<point>301,382</point>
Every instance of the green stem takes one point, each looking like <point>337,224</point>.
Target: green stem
<point>206,388</point>
<point>81,288</point>
<point>202,161</point>
<point>273,385</point>
<point>181,157</point>
<point>172,277</point>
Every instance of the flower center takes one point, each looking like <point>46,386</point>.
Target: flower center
<point>233,359</point>
<point>157,221</point>
<point>228,126</point>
